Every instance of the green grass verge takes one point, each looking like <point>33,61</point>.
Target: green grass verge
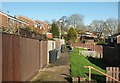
<point>77,63</point>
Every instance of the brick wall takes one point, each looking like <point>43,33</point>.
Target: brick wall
<point>7,21</point>
<point>3,20</point>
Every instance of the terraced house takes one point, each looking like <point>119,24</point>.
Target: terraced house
<point>37,24</point>
<point>8,21</point>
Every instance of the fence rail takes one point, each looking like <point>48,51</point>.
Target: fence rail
<point>109,77</point>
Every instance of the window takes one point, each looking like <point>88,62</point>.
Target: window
<point>44,28</point>
<point>11,22</point>
<point>35,25</point>
<point>41,26</point>
<point>111,39</point>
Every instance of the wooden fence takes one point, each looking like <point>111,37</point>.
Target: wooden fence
<point>20,57</point>
<point>97,48</point>
<point>111,55</point>
<point>57,44</point>
<point>112,76</point>
<point>0,57</point>
<point>113,72</point>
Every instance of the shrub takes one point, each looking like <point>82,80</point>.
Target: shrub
<point>72,34</point>
<point>55,30</point>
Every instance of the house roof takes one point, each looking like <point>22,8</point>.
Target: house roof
<point>13,17</point>
<point>26,19</point>
<point>114,35</point>
<point>45,24</point>
<point>89,34</point>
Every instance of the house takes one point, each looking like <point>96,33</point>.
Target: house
<point>29,21</point>
<point>114,39</point>
<point>8,21</point>
<point>111,53</point>
<point>43,27</point>
<point>88,37</point>
<point>40,26</point>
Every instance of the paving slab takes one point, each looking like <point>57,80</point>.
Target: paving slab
<point>57,71</point>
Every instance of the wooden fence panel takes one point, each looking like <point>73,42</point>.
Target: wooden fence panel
<point>0,57</point>
<point>16,58</point>
<point>40,55</point>
<point>44,45</point>
<point>32,57</point>
<point>7,58</point>
<point>35,56</point>
<point>111,56</point>
<point>113,72</point>
<point>43,54</point>
<point>28,57</point>
<point>118,54</point>
<point>23,58</point>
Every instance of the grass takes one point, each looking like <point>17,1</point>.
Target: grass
<point>78,61</point>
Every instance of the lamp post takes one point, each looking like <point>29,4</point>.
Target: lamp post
<point>60,21</point>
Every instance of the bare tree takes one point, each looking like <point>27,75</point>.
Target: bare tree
<point>89,28</point>
<point>112,24</point>
<point>76,20</point>
<point>98,27</point>
<point>106,32</point>
<point>81,29</point>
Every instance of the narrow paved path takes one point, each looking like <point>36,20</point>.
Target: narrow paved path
<point>57,71</point>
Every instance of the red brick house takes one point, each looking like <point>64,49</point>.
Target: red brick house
<point>88,37</point>
<point>43,27</point>
<point>8,21</point>
<point>114,39</point>
<point>38,25</point>
<point>29,21</point>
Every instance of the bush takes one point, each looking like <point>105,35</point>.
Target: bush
<point>55,30</point>
<point>72,34</point>
<point>25,32</point>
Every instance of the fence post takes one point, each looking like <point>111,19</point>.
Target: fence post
<point>89,73</point>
